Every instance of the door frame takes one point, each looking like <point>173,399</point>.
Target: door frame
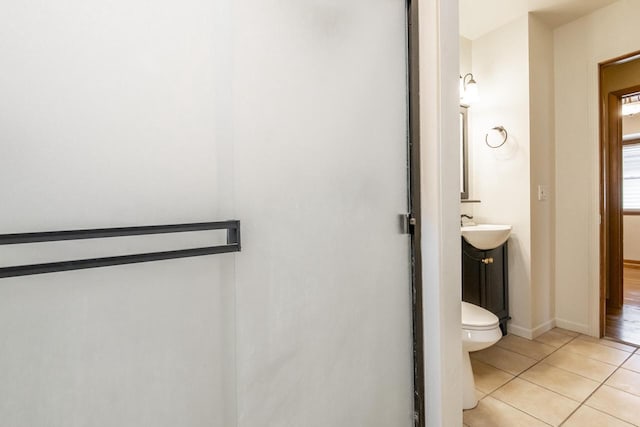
<point>415,213</point>
<point>610,93</point>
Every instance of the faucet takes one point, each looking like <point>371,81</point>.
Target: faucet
<point>463,216</point>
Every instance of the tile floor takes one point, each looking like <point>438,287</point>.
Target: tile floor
<point>559,379</point>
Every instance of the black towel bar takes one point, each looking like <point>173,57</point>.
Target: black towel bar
<point>233,245</point>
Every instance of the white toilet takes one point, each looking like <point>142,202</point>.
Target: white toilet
<point>480,329</point>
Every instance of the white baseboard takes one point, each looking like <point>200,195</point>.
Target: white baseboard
<point>544,327</point>
<point>531,333</point>
<point>573,326</point>
<point>520,331</point>
<point>547,326</point>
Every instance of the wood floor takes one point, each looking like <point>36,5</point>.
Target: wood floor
<point>624,324</point>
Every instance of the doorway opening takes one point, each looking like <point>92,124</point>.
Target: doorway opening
<point>620,199</point>
<point>623,321</point>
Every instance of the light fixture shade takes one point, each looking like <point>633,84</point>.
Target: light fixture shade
<point>471,95</point>
<point>468,90</point>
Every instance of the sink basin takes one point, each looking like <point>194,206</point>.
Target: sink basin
<point>486,236</point>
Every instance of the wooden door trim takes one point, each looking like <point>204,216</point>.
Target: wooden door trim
<point>613,201</point>
<point>611,212</point>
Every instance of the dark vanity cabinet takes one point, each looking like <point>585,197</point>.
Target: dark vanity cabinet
<point>485,280</point>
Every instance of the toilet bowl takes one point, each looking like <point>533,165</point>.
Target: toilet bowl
<point>480,329</point>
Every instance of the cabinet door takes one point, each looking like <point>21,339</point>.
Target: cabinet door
<point>495,279</point>
<point>472,274</point>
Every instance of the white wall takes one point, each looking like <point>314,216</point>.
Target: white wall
<point>579,47</point>
<point>631,238</point>
<point>465,56</point>
<point>439,104</point>
<point>516,76</point>
<point>541,98</point>
<point>501,177</point>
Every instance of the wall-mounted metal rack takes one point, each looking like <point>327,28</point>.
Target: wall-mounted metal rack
<point>232,245</point>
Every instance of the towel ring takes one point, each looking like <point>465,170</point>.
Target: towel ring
<point>500,129</point>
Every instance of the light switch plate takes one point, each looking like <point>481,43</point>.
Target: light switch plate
<point>543,192</point>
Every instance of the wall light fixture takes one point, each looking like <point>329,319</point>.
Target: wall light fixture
<point>468,90</point>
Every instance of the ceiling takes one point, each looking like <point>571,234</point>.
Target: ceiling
<point>478,17</point>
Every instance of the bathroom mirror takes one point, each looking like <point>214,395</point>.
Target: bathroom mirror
<point>464,164</point>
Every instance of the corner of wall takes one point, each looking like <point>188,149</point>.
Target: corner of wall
<point>578,48</point>
<point>542,137</point>
<point>439,39</point>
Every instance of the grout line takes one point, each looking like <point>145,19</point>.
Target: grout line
<point>580,403</point>
<point>619,341</point>
<point>586,357</point>
<point>540,362</point>
<point>612,416</point>
<point>515,407</point>
<point>525,370</point>
<point>600,410</point>
<point>523,411</point>
<point>574,373</point>
<point>596,389</point>
<point>495,367</point>
<point>552,391</point>
<point>610,340</point>
<point>601,345</point>
<point>537,361</point>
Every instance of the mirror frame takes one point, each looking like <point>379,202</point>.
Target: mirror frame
<point>464,155</point>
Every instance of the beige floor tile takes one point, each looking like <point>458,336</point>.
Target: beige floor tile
<point>581,365</point>
<point>599,352</point>
<point>566,332</point>
<point>589,417</point>
<point>506,360</point>
<point>625,380</point>
<point>487,377</point>
<point>633,363</point>
<point>617,403</point>
<point>554,338</point>
<point>538,402</point>
<point>608,343</point>
<point>491,412</point>
<point>480,394</point>
<point>533,349</point>
<point>561,381</point>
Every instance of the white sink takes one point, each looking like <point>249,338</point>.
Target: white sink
<point>486,236</point>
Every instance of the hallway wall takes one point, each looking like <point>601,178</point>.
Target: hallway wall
<point>579,47</point>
